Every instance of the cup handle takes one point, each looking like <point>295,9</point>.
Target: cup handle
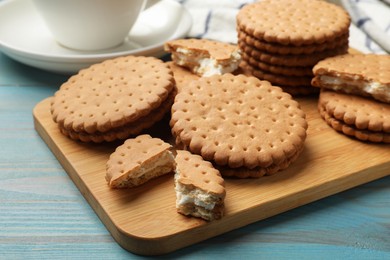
<point>156,32</point>
<point>174,8</point>
<point>150,3</point>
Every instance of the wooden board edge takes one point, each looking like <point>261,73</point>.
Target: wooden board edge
<point>170,243</point>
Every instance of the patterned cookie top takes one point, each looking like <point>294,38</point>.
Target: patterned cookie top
<point>298,22</point>
<point>368,67</point>
<point>193,170</point>
<point>238,121</point>
<point>111,94</point>
<point>133,153</point>
<point>361,112</point>
<point>203,47</point>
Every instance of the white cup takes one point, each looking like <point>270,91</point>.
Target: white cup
<point>90,24</point>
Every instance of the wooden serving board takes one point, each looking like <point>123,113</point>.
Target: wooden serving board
<point>144,220</point>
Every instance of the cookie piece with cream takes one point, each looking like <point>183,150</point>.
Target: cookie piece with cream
<point>359,74</point>
<point>139,160</point>
<point>204,57</point>
<point>200,189</point>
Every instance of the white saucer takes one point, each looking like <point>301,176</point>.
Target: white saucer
<point>25,38</point>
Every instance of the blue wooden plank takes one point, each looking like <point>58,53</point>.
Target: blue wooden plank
<point>14,73</point>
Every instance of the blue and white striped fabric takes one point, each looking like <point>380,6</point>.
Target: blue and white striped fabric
<point>369,32</point>
<point>372,17</point>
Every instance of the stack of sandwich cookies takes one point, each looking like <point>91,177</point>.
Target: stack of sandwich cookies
<point>204,57</point>
<point>282,40</point>
<point>114,99</point>
<point>356,116</point>
<point>139,160</point>
<point>240,123</point>
<point>200,189</point>
<point>355,96</point>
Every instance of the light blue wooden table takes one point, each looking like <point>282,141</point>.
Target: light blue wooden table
<point>44,216</point>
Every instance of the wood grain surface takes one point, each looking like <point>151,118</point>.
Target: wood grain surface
<point>44,216</point>
<point>144,220</point>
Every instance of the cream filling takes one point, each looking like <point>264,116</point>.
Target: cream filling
<point>373,88</point>
<point>207,66</point>
<point>194,196</point>
<point>154,168</point>
<point>166,159</point>
<point>198,200</point>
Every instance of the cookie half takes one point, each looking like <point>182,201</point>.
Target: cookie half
<point>238,121</point>
<point>359,74</point>
<point>200,189</point>
<point>139,160</point>
<point>204,57</point>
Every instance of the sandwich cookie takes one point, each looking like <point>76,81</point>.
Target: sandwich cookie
<point>356,116</point>
<point>114,99</point>
<point>239,121</point>
<point>360,74</point>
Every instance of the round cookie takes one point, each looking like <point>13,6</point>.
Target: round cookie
<point>111,94</point>
<point>299,22</point>
<point>238,121</point>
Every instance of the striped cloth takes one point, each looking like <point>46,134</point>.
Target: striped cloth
<point>369,31</point>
